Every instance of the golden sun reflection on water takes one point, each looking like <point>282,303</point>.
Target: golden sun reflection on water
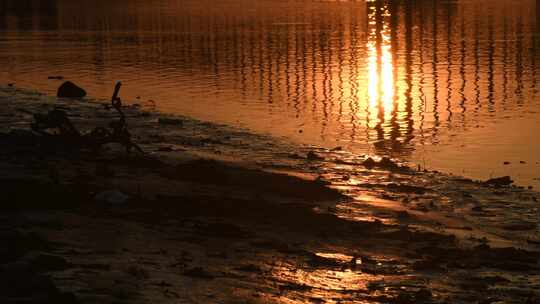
<point>333,277</point>
<point>326,284</point>
<point>402,79</point>
<point>380,69</point>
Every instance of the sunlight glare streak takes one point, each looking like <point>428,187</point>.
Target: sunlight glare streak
<point>380,67</point>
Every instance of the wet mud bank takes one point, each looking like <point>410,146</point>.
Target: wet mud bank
<point>211,214</point>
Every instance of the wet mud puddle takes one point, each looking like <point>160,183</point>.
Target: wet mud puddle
<point>399,235</point>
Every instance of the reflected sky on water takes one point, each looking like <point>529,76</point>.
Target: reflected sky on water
<point>451,85</point>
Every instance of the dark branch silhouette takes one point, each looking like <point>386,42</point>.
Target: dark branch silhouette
<point>57,125</point>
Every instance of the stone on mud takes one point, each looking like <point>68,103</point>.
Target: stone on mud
<point>114,197</point>
<point>70,90</point>
<point>499,181</point>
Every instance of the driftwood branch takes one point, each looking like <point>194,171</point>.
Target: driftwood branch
<point>58,120</point>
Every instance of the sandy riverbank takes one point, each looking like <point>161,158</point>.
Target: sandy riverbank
<point>201,219</point>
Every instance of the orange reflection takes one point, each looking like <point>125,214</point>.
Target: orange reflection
<point>379,64</point>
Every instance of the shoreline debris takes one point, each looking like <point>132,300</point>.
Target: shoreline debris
<point>384,163</point>
<point>499,181</point>
<point>56,127</point>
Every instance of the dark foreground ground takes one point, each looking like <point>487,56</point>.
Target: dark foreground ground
<point>81,227</point>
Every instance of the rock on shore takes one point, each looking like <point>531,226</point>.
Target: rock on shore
<point>70,90</point>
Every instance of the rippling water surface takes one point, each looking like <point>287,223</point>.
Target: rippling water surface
<point>451,85</point>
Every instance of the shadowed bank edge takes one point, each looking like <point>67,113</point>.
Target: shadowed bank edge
<point>184,224</point>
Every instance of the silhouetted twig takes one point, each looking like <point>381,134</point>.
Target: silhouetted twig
<point>58,120</point>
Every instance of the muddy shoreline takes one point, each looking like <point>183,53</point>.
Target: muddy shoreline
<point>200,226</point>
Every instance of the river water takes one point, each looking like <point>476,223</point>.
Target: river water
<point>449,85</point>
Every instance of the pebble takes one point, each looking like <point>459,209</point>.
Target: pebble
<point>111,197</point>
